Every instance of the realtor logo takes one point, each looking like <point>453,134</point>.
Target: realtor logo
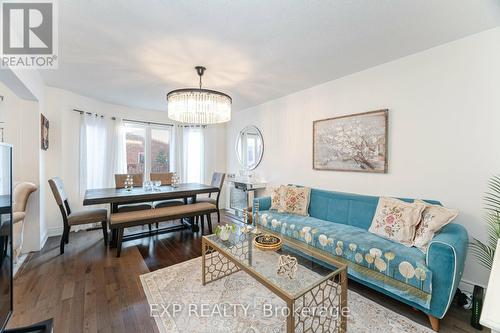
<point>29,34</point>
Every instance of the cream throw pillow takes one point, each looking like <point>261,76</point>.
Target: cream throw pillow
<point>396,220</point>
<point>434,218</point>
<point>295,200</point>
<point>276,196</point>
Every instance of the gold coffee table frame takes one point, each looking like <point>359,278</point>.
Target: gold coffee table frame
<point>327,292</point>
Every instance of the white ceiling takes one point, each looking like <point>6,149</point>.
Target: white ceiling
<point>133,52</point>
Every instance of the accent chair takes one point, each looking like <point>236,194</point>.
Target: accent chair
<point>22,192</point>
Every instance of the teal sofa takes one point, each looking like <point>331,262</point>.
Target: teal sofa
<point>338,225</point>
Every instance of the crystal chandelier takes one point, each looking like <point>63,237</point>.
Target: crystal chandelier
<point>197,105</point>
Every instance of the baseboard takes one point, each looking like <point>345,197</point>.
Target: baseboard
<point>55,231</point>
<point>20,261</point>
<point>58,231</point>
<point>466,285</point>
<point>45,237</point>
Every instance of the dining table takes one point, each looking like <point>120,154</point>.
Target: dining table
<point>121,196</point>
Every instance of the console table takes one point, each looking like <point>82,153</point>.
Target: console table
<point>241,194</point>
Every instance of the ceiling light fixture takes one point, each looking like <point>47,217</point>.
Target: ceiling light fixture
<point>198,105</point>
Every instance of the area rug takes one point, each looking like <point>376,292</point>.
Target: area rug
<point>238,303</point>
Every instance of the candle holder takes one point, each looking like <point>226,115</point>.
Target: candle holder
<point>255,219</point>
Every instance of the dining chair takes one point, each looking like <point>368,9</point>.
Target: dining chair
<point>137,179</point>
<point>72,218</point>
<point>21,194</point>
<point>166,179</point>
<point>120,179</point>
<point>217,181</point>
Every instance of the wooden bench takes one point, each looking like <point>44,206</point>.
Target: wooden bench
<point>120,221</point>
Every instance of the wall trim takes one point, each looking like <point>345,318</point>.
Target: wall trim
<point>54,232</point>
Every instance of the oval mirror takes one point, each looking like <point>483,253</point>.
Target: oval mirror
<point>249,147</point>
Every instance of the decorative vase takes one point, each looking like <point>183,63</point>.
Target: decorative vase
<point>224,234</point>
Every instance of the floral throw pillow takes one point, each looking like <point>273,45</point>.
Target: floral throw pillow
<point>434,218</point>
<point>396,220</point>
<point>295,200</point>
<point>276,195</point>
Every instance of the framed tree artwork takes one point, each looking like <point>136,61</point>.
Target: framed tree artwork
<point>356,142</point>
<point>44,123</point>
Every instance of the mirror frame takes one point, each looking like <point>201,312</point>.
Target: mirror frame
<point>236,147</point>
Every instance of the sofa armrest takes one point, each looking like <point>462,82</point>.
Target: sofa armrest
<point>264,203</point>
<point>446,255</point>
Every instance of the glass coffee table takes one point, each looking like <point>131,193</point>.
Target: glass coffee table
<point>315,291</point>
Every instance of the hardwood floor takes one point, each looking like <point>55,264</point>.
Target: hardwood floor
<point>88,289</point>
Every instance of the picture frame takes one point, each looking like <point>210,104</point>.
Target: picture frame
<point>44,132</point>
<point>355,142</point>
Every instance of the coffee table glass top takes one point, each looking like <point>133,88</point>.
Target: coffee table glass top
<point>240,247</point>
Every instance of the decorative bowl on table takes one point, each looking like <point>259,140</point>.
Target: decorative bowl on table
<point>267,242</point>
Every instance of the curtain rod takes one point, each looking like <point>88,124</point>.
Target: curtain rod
<point>146,122</point>
<point>126,120</point>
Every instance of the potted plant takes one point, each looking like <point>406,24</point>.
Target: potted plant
<point>485,252</point>
<point>224,231</point>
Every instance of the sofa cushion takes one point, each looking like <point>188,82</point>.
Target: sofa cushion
<point>295,200</point>
<point>346,208</point>
<point>434,218</point>
<point>353,209</point>
<point>397,220</point>
<point>276,195</point>
<point>392,266</point>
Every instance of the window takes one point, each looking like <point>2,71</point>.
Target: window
<point>160,150</point>
<point>135,139</point>
<point>147,148</point>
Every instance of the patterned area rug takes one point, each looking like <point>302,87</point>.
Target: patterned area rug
<point>238,303</point>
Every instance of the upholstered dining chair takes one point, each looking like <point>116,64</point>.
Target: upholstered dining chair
<point>166,179</point>
<point>21,194</point>
<point>217,181</point>
<point>71,218</point>
<point>137,179</point>
<point>120,179</point>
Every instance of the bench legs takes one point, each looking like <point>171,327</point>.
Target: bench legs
<point>119,240</point>
<point>117,233</point>
<point>104,225</point>
<point>201,218</point>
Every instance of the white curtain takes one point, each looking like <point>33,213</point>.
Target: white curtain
<point>189,154</point>
<point>93,133</point>
<point>177,153</point>
<point>117,150</point>
<point>194,154</point>
<point>102,151</point>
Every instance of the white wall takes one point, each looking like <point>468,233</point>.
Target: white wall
<point>444,126</point>
<point>21,119</point>
<point>28,85</point>
<point>62,158</point>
